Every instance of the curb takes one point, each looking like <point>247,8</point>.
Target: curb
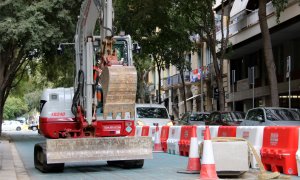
<point>11,165</point>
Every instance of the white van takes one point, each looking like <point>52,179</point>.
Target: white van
<point>151,115</point>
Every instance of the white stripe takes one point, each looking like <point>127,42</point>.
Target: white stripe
<point>194,153</point>
<point>157,138</point>
<point>208,155</point>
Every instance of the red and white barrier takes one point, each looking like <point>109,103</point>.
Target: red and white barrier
<point>152,132</point>
<point>193,166</point>
<point>174,137</point>
<point>164,135</point>
<point>138,130</point>
<point>298,154</point>
<point>145,131</point>
<point>278,152</point>
<point>227,131</point>
<point>201,131</point>
<point>185,138</point>
<point>254,134</point>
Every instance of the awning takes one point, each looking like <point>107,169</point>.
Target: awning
<point>189,99</point>
<point>238,6</point>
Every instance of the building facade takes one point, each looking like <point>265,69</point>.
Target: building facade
<point>245,74</point>
<point>249,86</point>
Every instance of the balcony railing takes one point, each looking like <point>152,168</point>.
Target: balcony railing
<point>175,80</point>
<point>244,21</point>
<point>192,76</point>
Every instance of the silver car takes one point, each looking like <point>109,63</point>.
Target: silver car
<point>272,116</point>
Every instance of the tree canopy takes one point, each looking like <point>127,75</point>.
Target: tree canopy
<point>30,32</point>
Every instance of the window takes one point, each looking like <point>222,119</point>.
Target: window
<point>216,117</point>
<point>54,97</point>
<point>122,50</point>
<point>282,114</point>
<point>255,115</point>
<point>151,112</point>
<point>208,56</point>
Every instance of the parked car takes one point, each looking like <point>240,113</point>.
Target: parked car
<point>193,118</point>
<point>230,118</point>
<point>272,116</point>
<point>151,115</point>
<point>33,127</point>
<point>11,126</point>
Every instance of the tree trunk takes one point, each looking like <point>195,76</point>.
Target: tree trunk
<point>268,53</point>
<point>221,93</point>
<point>184,93</point>
<point>141,88</point>
<point>159,83</point>
<point>1,112</point>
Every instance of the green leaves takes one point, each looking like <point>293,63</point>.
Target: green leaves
<point>14,107</point>
<point>279,5</point>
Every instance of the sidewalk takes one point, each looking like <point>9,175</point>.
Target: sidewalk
<point>11,166</point>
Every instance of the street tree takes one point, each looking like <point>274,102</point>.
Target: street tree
<point>14,107</point>
<point>31,30</point>
<point>143,65</point>
<point>179,46</point>
<point>146,21</point>
<point>267,46</point>
<point>200,19</point>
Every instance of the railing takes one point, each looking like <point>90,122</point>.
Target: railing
<point>244,21</point>
<point>206,72</point>
<point>175,80</point>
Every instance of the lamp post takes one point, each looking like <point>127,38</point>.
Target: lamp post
<point>253,84</point>
<point>233,81</point>
<point>288,70</point>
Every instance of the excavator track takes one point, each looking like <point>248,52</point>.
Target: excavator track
<point>40,160</point>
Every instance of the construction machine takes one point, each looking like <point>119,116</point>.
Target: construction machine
<point>94,120</point>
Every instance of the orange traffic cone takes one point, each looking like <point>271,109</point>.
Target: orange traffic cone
<point>193,166</point>
<point>208,169</point>
<point>157,144</point>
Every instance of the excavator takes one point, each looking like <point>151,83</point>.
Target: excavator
<point>94,120</point>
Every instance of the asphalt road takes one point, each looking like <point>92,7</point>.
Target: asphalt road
<point>162,166</point>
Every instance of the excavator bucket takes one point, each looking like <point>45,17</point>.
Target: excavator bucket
<point>119,85</point>
<point>98,149</point>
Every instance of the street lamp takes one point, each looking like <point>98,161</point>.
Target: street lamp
<point>60,48</point>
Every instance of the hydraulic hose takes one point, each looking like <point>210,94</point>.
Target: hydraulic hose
<point>79,91</point>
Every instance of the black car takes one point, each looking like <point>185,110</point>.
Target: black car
<point>33,127</point>
<point>193,118</point>
<point>229,118</point>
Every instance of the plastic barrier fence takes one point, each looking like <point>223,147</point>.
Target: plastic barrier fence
<point>227,131</point>
<point>298,154</point>
<point>152,131</point>
<point>278,152</point>
<point>164,134</point>
<point>201,129</point>
<point>254,134</point>
<point>185,138</point>
<point>214,131</point>
<point>138,130</point>
<point>200,134</point>
<point>145,131</point>
<point>174,137</point>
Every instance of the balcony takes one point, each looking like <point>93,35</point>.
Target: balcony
<point>175,80</point>
<point>243,20</point>
<point>190,77</point>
